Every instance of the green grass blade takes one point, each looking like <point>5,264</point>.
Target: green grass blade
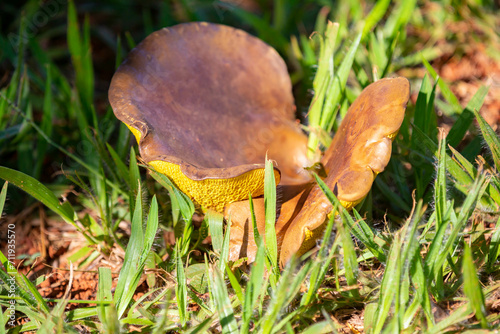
<point>369,317</point>
<point>119,52</point>
<point>453,167</point>
<point>151,228</point>
<point>104,158</point>
<point>390,54</point>
<point>10,278</point>
<point>399,17</point>
<point>494,252</point>
<point>134,178</point>
<point>133,251</point>
<point>181,287</point>
<point>315,113</point>
<point>307,53</point>
<point>224,254</point>
<point>376,14</point>
<point>222,302</point>
<point>410,259</point>
<point>162,319</point>
<point>322,80</point>
<point>39,192</point>
<point>254,286</point>
<point>270,213</point>
<point>122,169</point>
<point>81,56</point>
<point>328,193</point>
<point>235,284</point>
<point>46,125</point>
<point>74,38</point>
<point>12,89</point>
<point>402,257</point>
<point>377,55</point>
<point>363,232</point>
<point>424,112</point>
<point>389,288</point>
<point>434,254</point>
<point>440,184</point>
<point>215,225</point>
<point>203,327</point>
<point>3,197</point>
<point>320,269</point>
<point>286,289</point>
<point>422,299</point>
<point>445,89</point>
<point>360,229</point>
<point>3,321</point>
<point>279,15</point>
<point>464,121</point>
<point>34,292</point>
<point>472,288</point>
<point>182,204</point>
<point>436,259</point>
<point>490,137</point>
<point>136,254</point>
<point>323,84</point>
<point>106,313</point>
<point>462,161</point>
<point>87,166</point>
<point>325,61</point>
<point>350,258</point>
<point>256,234</point>
<point>458,316</point>
<point>339,83</point>
<point>320,328</point>
<point>285,321</point>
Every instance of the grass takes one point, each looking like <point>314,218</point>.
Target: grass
<point>432,266</point>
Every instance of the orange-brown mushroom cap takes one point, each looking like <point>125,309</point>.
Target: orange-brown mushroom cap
<point>206,102</point>
<point>359,151</point>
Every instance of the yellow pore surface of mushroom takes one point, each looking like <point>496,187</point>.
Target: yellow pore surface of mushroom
<point>215,193</point>
<point>212,193</point>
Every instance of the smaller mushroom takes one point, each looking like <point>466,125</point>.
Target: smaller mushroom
<point>360,150</point>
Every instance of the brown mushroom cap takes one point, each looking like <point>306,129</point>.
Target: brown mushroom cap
<point>206,102</point>
<point>359,151</point>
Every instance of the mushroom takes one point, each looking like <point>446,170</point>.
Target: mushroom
<point>207,102</point>
<point>360,150</point>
